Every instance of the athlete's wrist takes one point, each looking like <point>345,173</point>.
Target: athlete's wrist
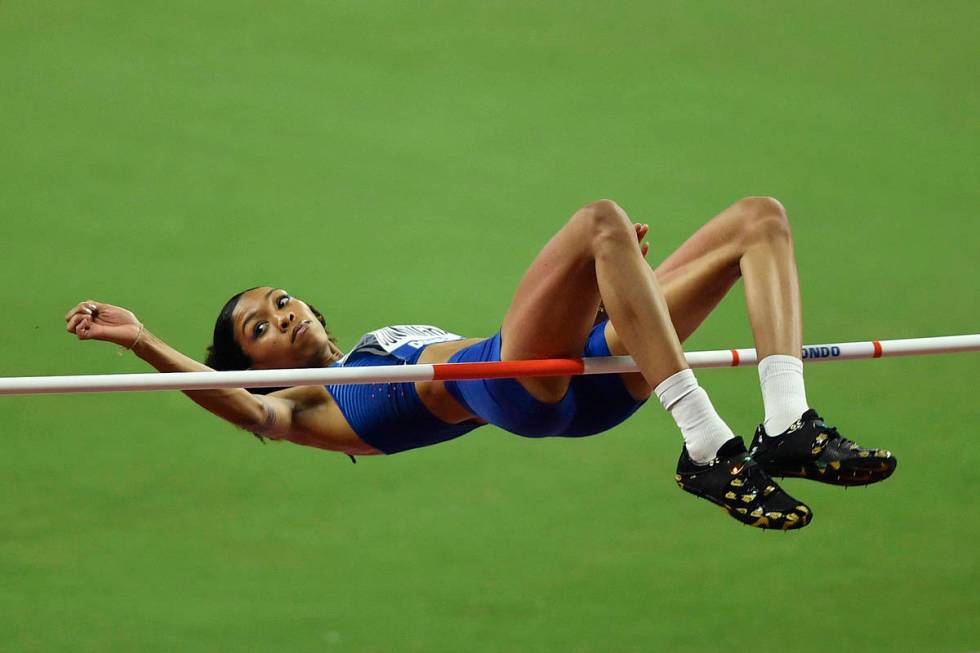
<point>129,343</point>
<point>143,342</point>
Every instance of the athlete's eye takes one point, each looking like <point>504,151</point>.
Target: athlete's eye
<point>259,329</point>
<point>282,301</point>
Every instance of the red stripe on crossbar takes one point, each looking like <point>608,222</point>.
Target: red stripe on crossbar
<point>735,358</point>
<point>877,346</point>
<point>507,369</point>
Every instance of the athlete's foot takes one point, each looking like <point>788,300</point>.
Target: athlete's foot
<point>811,449</point>
<point>734,481</point>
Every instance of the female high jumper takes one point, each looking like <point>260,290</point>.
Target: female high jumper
<point>589,292</point>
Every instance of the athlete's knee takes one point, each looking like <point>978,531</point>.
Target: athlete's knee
<point>762,218</point>
<point>605,207</point>
<point>607,224</point>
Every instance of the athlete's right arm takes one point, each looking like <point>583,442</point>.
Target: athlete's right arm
<point>272,416</point>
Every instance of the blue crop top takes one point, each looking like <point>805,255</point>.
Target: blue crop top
<point>390,416</point>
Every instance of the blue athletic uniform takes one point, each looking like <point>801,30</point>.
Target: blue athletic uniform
<point>391,417</point>
<point>593,403</point>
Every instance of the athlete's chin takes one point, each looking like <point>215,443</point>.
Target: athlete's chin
<point>314,354</point>
<point>297,358</point>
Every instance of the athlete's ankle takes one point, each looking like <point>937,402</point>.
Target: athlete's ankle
<point>703,430</point>
<point>783,392</point>
<point>775,428</point>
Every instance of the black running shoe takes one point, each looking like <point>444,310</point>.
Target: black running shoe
<point>811,449</point>
<point>734,481</point>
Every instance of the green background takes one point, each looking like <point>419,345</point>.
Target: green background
<point>402,162</point>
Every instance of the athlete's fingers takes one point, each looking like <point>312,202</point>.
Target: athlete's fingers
<point>89,330</point>
<point>74,315</point>
<point>77,308</point>
<point>641,233</point>
<point>82,328</point>
<point>74,322</point>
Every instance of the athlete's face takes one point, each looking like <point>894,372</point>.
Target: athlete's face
<point>276,330</point>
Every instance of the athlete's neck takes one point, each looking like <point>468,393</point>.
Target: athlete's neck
<point>331,355</point>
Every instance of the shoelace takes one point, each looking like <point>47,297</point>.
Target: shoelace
<point>838,439</point>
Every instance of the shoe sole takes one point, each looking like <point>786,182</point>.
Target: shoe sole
<point>757,518</point>
<point>848,473</point>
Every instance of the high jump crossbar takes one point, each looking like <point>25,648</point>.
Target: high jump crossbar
<point>29,385</point>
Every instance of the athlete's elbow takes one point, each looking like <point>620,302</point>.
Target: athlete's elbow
<point>272,420</point>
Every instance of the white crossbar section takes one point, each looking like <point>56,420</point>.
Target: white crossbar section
<point>449,371</point>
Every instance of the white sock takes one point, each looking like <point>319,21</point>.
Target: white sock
<point>783,394</point>
<point>704,432</point>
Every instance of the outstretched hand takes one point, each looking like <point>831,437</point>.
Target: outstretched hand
<point>641,233</point>
<point>91,320</point>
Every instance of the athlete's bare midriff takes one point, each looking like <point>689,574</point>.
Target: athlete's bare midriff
<point>433,394</point>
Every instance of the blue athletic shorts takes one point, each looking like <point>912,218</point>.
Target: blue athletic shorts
<point>593,403</point>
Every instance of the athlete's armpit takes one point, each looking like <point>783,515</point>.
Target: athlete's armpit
<point>317,421</point>
<point>277,418</point>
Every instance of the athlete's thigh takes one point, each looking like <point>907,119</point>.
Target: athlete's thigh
<point>699,273</point>
<point>693,279</point>
<point>555,304</point>
<point>697,276</point>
